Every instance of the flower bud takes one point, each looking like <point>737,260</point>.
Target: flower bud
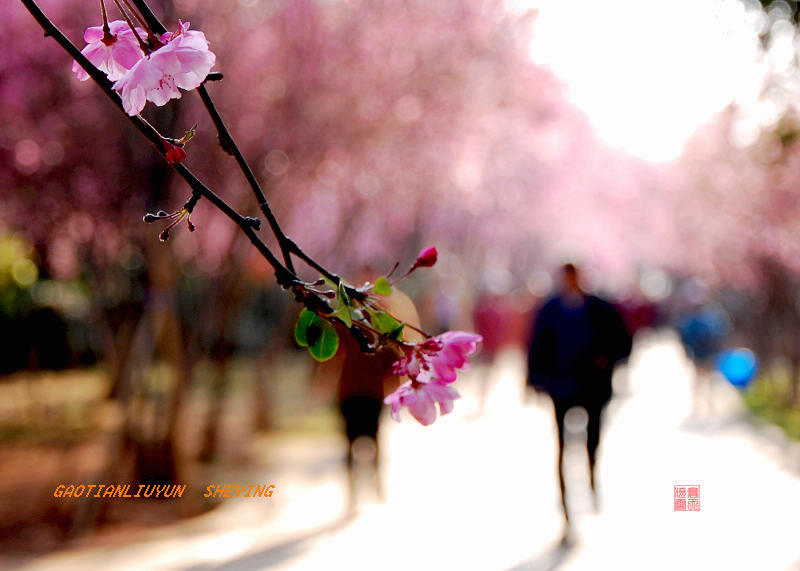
<point>187,136</point>
<point>426,258</point>
<point>175,154</point>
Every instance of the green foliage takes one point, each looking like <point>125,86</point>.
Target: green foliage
<point>317,334</point>
<point>343,313</point>
<point>398,332</point>
<point>326,344</point>
<point>382,286</point>
<point>768,398</point>
<point>303,323</point>
<point>344,298</point>
<point>386,324</point>
<point>345,303</point>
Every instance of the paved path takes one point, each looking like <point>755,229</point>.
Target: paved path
<point>478,492</point>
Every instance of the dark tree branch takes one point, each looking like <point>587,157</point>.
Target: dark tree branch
<point>284,276</point>
<point>229,146</point>
<point>149,17</point>
<point>227,143</point>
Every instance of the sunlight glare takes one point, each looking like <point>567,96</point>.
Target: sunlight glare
<point>649,74</point>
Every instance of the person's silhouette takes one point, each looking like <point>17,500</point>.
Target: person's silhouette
<point>363,382</point>
<point>577,339</point>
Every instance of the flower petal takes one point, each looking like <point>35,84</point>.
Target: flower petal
<point>133,100</point>
<point>396,396</point>
<point>126,53</point>
<point>79,72</point>
<point>423,408</point>
<point>93,34</point>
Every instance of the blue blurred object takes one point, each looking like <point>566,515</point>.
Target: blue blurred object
<point>702,333</point>
<point>739,366</point>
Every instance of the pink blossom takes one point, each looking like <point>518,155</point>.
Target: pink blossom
<point>421,400</point>
<point>438,357</point>
<point>114,55</point>
<point>184,62</point>
<point>456,347</point>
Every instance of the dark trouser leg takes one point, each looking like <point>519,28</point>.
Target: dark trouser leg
<point>378,406</point>
<point>560,412</point>
<point>595,413</point>
<point>346,409</point>
<point>378,480</point>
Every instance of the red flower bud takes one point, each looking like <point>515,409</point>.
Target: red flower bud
<point>175,154</point>
<point>426,258</point>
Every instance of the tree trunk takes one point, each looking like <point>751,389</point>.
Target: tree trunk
<point>208,449</point>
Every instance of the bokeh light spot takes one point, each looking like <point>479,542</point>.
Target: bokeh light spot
<point>24,272</point>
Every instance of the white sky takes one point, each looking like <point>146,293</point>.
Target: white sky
<point>648,74</point>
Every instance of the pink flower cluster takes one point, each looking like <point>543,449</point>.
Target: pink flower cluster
<point>432,367</point>
<point>183,61</point>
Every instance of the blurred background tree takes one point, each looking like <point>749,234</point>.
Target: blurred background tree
<point>377,128</point>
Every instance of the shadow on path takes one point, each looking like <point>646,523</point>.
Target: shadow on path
<point>549,560</point>
<point>280,552</point>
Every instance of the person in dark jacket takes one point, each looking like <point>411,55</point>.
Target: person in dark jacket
<point>577,340</point>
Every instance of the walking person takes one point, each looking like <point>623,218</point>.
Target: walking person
<point>362,381</point>
<point>577,340</point>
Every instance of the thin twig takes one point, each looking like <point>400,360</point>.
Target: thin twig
<point>151,19</point>
<point>145,48</point>
<point>228,144</point>
<point>285,277</point>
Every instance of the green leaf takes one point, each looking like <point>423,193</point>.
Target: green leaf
<point>327,342</point>
<point>398,333</point>
<point>317,334</point>
<point>343,313</point>
<point>383,322</point>
<point>343,297</point>
<point>382,286</point>
<point>307,319</point>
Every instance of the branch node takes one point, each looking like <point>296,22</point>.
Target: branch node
<point>224,145</point>
<point>254,222</point>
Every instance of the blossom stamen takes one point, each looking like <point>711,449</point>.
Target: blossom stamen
<point>176,218</point>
